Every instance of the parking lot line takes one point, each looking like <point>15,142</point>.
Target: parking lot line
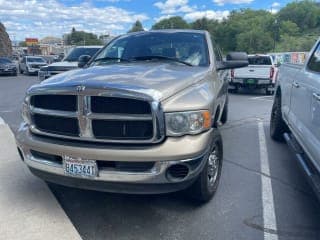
<point>269,217</point>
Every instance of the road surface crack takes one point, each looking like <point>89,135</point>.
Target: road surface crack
<point>293,187</point>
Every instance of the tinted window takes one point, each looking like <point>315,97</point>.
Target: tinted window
<point>314,63</point>
<point>4,60</point>
<point>259,60</point>
<point>187,47</point>
<point>34,59</point>
<point>75,53</point>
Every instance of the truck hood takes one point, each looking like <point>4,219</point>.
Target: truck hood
<point>156,80</point>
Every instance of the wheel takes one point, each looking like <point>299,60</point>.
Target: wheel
<point>15,73</point>
<point>26,72</point>
<point>206,185</point>
<point>224,116</point>
<point>277,125</point>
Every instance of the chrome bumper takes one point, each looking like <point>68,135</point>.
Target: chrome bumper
<point>155,153</point>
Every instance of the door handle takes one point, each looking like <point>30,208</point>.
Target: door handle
<point>296,85</point>
<point>316,96</point>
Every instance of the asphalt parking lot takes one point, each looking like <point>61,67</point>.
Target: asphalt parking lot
<point>262,193</point>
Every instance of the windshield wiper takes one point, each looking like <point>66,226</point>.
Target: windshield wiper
<point>111,58</point>
<point>143,58</point>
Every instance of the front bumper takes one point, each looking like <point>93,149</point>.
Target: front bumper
<point>33,70</point>
<point>7,71</point>
<point>190,151</point>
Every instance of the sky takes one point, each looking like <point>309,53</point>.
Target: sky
<point>41,18</point>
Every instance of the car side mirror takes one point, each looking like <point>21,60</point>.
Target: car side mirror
<point>234,60</point>
<point>83,60</point>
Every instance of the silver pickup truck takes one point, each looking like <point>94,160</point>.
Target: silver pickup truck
<point>140,117</point>
<point>296,113</point>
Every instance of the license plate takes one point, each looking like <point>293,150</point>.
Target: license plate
<point>250,81</point>
<point>80,167</point>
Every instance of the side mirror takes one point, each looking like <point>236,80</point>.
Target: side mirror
<point>83,60</point>
<point>234,60</point>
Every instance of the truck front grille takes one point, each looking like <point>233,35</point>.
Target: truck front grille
<point>104,129</point>
<point>95,118</point>
<point>55,102</point>
<point>56,125</point>
<point>119,105</point>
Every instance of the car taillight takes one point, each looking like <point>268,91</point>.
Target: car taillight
<point>271,72</point>
<point>232,73</point>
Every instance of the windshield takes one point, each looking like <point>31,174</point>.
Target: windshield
<point>4,60</point>
<point>185,47</point>
<point>257,60</point>
<point>75,53</point>
<point>35,59</point>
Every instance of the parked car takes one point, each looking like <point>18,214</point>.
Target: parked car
<point>68,63</point>
<point>296,113</point>
<point>31,64</point>
<point>7,67</point>
<point>141,117</point>
<point>261,73</point>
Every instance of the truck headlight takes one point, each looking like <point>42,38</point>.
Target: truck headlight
<point>25,112</point>
<point>182,123</point>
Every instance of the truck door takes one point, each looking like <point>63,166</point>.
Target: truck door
<point>313,79</point>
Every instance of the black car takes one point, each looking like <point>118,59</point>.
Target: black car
<point>7,67</point>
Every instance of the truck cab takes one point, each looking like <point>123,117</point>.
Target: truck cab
<point>296,112</point>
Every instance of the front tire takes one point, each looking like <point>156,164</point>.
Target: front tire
<point>277,125</point>
<point>206,185</point>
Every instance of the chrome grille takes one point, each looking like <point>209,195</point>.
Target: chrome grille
<point>97,118</point>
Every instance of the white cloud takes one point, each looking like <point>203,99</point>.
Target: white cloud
<point>223,2</point>
<point>174,6</point>
<point>273,11</point>
<point>275,5</point>
<point>163,17</point>
<point>217,15</point>
<point>42,18</point>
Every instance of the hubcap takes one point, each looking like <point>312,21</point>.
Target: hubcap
<point>213,166</point>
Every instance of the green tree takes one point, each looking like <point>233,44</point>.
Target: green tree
<point>136,27</point>
<point>82,38</point>
<point>289,43</point>
<point>289,28</point>
<point>303,13</point>
<point>255,41</point>
<point>171,23</point>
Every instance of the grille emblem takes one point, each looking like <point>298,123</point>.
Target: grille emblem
<point>80,88</point>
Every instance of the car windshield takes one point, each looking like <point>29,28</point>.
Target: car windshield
<point>184,47</point>
<point>259,60</point>
<point>35,59</point>
<point>4,60</point>
<point>75,53</point>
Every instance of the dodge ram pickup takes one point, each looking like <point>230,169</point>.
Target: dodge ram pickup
<point>296,113</point>
<point>142,116</point>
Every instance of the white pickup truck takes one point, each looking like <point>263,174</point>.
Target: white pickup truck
<point>260,73</point>
<point>296,113</point>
